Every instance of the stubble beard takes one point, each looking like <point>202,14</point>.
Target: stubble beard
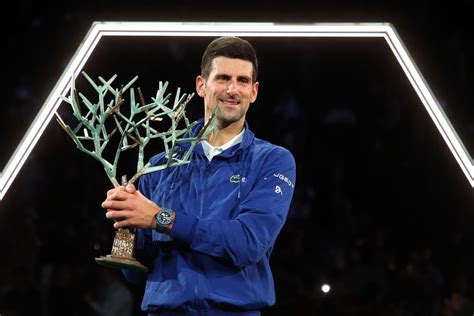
<point>226,119</point>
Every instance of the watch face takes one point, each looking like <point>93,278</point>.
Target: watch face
<point>164,217</point>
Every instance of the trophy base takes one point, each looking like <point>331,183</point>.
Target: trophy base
<point>121,263</point>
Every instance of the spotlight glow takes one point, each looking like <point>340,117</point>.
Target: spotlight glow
<point>191,29</point>
<point>325,288</point>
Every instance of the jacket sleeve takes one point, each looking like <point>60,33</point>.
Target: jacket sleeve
<point>252,234</point>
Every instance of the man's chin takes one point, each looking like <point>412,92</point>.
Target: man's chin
<point>225,121</point>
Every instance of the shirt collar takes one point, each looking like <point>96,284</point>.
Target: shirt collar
<point>211,151</point>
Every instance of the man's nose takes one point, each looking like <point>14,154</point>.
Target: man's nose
<point>232,88</point>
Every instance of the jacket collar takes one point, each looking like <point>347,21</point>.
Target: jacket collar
<point>246,141</point>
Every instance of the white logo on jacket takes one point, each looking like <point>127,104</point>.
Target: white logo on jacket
<point>284,179</point>
<point>278,190</point>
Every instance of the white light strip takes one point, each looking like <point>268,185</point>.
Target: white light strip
<point>432,106</point>
<point>191,29</point>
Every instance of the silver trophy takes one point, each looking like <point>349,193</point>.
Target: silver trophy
<point>109,124</point>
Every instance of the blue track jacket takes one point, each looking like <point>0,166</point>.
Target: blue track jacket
<point>229,213</point>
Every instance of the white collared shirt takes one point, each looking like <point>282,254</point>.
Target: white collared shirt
<point>211,151</point>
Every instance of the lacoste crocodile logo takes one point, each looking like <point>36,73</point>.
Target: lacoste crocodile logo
<point>236,178</point>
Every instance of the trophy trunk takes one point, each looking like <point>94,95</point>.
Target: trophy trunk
<point>123,250</point>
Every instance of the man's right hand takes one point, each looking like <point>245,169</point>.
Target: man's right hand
<point>129,208</point>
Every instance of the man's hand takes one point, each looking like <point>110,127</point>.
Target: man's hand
<point>129,208</point>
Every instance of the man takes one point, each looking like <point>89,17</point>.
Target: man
<point>206,229</point>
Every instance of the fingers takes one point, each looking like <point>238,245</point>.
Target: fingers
<point>118,215</point>
<point>127,207</point>
<point>115,204</point>
<point>131,188</point>
<point>122,224</point>
<point>118,195</point>
<point>121,199</point>
<point>120,218</point>
<point>112,191</point>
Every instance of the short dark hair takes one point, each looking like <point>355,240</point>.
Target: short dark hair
<point>230,47</point>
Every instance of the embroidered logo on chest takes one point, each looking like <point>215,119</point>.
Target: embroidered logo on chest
<point>236,178</point>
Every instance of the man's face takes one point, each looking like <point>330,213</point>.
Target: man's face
<point>230,88</point>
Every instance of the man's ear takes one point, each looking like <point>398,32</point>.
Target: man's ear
<point>201,86</point>
<point>253,97</point>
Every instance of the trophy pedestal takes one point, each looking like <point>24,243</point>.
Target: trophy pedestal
<point>123,250</point>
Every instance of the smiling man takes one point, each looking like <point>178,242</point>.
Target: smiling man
<point>206,230</point>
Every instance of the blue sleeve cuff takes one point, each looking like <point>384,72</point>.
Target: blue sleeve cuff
<point>184,227</point>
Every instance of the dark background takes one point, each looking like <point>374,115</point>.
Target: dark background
<point>382,212</point>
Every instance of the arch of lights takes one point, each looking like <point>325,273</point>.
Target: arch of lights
<point>99,30</point>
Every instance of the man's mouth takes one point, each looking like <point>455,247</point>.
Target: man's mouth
<point>230,103</point>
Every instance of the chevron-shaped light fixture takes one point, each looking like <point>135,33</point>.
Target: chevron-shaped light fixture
<point>99,30</point>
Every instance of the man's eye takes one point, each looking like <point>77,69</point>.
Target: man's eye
<point>222,78</point>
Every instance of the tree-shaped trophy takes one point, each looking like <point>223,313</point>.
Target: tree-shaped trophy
<point>106,124</point>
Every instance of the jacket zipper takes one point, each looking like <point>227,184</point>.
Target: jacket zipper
<point>207,172</point>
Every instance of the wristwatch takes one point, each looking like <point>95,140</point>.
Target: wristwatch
<point>163,219</point>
